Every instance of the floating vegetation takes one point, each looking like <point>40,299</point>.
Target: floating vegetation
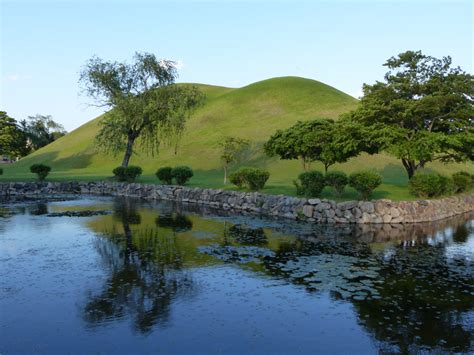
<point>240,254</point>
<point>85,213</point>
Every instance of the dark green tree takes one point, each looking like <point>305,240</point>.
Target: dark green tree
<point>147,107</point>
<point>13,142</point>
<point>231,147</point>
<point>316,140</point>
<point>423,111</point>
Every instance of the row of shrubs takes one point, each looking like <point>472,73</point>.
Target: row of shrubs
<point>433,184</point>
<point>312,183</point>
<point>180,174</point>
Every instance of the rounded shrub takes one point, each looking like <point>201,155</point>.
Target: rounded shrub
<point>430,185</point>
<point>365,182</point>
<point>164,175</point>
<point>462,181</point>
<point>252,178</point>
<point>337,180</point>
<point>40,170</point>
<point>182,174</point>
<point>128,174</point>
<point>238,177</point>
<point>311,183</point>
<point>256,179</point>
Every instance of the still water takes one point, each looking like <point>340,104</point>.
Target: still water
<point>143,277</point>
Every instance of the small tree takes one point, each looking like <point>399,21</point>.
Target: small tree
<point>422,112</point>
<point>146,107</point>
<point>310,141</point>
<point>230,149</point>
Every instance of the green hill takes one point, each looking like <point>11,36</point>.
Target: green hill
<point>253,112</point>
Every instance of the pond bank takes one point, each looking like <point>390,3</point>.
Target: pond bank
<point>312,210</point>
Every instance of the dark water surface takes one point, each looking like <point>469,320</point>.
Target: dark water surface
<point>175,279</point>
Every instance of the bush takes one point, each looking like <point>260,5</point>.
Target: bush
<point>41,170</point>
<point>252,178</point>
<point>1,171</point>
<point>182,174</point>
<point>337,180</point>
<point>430,185</point>
<point>311,183</point>
<point>255,179</point>
<point>164,175</point>
<point>462,181</point>
<point>238,177</point>
<point>129,173</point>
<point>365,182</point>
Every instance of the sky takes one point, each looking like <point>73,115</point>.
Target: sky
<point>44,44</point>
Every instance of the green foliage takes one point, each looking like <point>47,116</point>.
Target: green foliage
<point>128,174</point>
<point>237,177</point>
<point>164,175</point>
<point>12,138</point>
<point>230,149</point>
<point>1,171</point>
<point>311,183</point>
<point>252,178</point>
<point>40,170</point>
<point>425,185</point>
<point>337,180</point>
<point>422,112</point>
<point>365,182</point>
<point>41,130</point>
<point>310,141</point>
<point>147,108</point>
<point>182,174</point>
<point>462,181</point>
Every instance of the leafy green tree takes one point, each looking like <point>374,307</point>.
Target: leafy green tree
<point>41,130</point>
<point>231,147</point>
<point>147,108</point>
<point>12,137</point>
<point>423,111</point>
<point>316,140</point>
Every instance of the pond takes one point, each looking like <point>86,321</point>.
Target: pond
<point>121,276</point>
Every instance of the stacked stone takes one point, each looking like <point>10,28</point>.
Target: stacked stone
<point>312,210</point>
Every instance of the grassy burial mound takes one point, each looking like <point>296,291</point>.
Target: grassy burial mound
<point>253,112</point>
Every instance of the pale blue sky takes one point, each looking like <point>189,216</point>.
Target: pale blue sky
<point>229,43</point>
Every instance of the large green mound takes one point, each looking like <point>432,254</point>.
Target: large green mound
<point>253,112</point>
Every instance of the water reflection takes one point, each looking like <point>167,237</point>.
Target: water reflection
<point>145,274</point>
<point>410,287</point>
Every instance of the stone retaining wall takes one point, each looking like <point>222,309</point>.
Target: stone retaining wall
<point>312,210</point>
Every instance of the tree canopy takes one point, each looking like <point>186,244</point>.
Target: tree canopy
<point>422,111</point>
<point>147,107</point>
<point>12,137</point>
<point>41,130</point>
<point>316,140</point>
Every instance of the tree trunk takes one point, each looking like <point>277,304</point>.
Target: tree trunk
<point>128,150</point>
<point>225,174</point>
<point>326,167</point>
<point>410,167</point>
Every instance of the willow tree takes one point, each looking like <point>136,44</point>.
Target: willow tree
<point>146,107</point>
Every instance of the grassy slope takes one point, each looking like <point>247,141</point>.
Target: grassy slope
<point>252,112</point>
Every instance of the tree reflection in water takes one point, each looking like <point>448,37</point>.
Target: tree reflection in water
<point>409,290</point>
<point>145,274</point>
